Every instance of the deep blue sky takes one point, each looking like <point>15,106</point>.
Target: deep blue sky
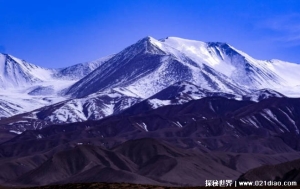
<point>58,33</point>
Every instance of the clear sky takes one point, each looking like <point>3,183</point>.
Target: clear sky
<point>59,33</point>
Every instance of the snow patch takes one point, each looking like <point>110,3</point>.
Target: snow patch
<point>17,132</point>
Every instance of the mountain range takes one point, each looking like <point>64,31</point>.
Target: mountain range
<point>149,114</point>
<point>137,73</point>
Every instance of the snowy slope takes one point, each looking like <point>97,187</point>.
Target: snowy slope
<point>16,103</point>
<point>93,107</point>
<point>16,73</point>
<point>18,78</point>
<point>183,92</point>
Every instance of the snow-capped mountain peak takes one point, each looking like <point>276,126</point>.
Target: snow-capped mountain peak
<point>80,70</point>
<point>19,73</point>
<point>147,67</point>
